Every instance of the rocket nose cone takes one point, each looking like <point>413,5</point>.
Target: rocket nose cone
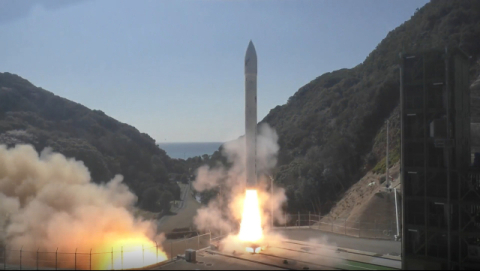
<point>251,59</point>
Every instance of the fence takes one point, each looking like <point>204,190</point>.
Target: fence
<point>383,230</point>
<point>138,256</point>
<point>116,258</point>
<point>173,248</point>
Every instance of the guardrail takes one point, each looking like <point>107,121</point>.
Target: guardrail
<point>358,229</point>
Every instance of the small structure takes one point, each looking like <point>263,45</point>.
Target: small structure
<point>191,255</point>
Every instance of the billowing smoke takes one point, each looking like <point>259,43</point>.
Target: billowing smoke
<point>48,202</point>
<point>224,212</point>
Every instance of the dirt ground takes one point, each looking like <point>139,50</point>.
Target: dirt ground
<point>367,202</point>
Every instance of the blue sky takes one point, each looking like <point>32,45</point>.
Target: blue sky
<point>174,69</point>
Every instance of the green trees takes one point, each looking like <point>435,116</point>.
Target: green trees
<point>155,200</point>
<point>150,198</point>
<point>106,146</point>
<point>165,198</point>
<point>330,129</point>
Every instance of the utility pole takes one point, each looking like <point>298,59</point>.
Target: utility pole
<point>271,198</point>
<point>386,163</point>
<point>396,215</point>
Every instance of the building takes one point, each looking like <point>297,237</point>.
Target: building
<point>441,191</point>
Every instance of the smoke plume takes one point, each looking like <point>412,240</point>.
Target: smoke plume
<point>48,202</point>
<point>224,212</point>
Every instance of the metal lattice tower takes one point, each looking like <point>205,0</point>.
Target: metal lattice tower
<point>440,189</point>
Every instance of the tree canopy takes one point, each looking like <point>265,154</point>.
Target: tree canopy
<point>32,115</point>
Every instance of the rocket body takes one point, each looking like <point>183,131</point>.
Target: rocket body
<point>251,116</point>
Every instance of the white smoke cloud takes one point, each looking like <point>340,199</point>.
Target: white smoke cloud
<point>208,178</point>
<point>224,212</point>
<point>48,201</point>
<point>267,149</point>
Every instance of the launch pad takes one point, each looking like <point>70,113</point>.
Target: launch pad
<point>288,255</point>
<point>254,249</point>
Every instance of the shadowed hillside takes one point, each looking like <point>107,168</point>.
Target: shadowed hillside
<point>108,147</point>
<point>332,130</point>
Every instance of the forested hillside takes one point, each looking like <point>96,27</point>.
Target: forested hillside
<point>332,129</point>
<point>107,147</point>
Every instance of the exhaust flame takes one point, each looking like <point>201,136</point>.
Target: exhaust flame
<point>48,203</point>
<point>251,225</point>
<point>254,250</point>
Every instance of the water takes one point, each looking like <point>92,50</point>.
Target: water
<point>192,149</point>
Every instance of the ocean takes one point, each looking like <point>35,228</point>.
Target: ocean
<point>180,150</point>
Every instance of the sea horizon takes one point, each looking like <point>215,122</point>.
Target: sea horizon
<point>185,150</point>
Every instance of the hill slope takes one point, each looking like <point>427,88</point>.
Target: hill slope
<point>107,147</point>
<point>332,129</point>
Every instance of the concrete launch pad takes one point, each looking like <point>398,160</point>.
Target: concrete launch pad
<point>210,261</point>
<point>291,250</point>
<point>289,255</point>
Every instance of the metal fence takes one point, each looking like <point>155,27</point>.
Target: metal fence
<point>116,258</point>
<point>380,230</point>
<point>174,248</point>
<point>120,258</point>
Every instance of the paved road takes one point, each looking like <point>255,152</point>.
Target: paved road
<point>206,261</point>
<point>294,255</point>
<point>184,213</point>
<point>183,193</point>
<point>382,247</point>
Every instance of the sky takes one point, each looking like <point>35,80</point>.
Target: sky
<point>174,69</point>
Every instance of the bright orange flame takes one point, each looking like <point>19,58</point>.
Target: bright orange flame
<point>133,252</point>
<point>251,226</point>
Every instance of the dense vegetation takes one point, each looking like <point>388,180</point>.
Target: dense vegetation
<point>332,130</point>
<point>107,147</point>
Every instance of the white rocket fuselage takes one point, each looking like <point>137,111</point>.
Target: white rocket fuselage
<point>251,116</point>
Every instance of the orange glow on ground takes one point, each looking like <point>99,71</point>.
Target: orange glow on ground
<point>251,225</point>
<point>132,252</point>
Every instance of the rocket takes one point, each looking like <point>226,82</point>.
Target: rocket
<point>251,116</point>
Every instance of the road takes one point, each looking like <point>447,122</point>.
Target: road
<point>382,247</point>
<point>185,213</point>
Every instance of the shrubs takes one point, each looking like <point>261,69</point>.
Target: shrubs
<point>393,158</point>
